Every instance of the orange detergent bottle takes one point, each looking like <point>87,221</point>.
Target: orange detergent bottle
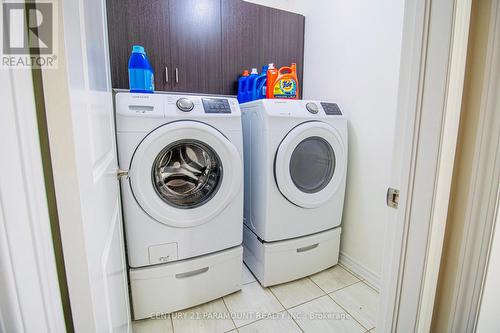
<point>283,83</point>
<point>272,74</point>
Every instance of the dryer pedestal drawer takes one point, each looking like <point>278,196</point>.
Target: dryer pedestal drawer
<point>283,261</point>
<point>179,285</point>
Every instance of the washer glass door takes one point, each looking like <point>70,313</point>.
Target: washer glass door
<point>187,173</point>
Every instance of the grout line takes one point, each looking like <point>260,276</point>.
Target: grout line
<point>312,299</point>
<point>329,295</point>
<point>296,306</point>
<point>317,285</point>
<point>171,322</point>
<point>284,307</point>
<point>228,311</point>
<point>352,316</point>
<point>357,276</point>
<point>309,277</point>
<point>351,284</point>
<point>270,290</point>
<point>368,285</point>
<point>296,323</point>
<point>258,319</point>
<point>286,310</point>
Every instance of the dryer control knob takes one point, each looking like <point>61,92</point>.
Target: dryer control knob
<point>184,104</point>
<point>312,108</point>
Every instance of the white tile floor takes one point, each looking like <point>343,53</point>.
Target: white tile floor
<point>331,301</point>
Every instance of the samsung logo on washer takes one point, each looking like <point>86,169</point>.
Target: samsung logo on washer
<point>184,195</point>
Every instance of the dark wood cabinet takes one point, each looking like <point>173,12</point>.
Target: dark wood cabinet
<point>255,35</point>
<point>285,44</point>
<point>202,46</point>
<point>149,26</point>
<point>240,41</point>
<point>195,45</point>
<point>144,23</point>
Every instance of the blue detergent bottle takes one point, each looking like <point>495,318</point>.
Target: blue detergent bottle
<point>259,85</point>
<point>140,72</point>
<point>250,84</point>
<point>242,87</point>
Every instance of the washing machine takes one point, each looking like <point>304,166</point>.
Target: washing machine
<point>181,158</point>
<point>295,156</point>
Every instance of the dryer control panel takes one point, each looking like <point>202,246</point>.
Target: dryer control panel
<point>331,109</point>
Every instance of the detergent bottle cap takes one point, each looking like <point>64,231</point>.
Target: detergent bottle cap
<point>138,49</point>
<point>254,71</point>
<point>245,72</point>
<point>271,66</point>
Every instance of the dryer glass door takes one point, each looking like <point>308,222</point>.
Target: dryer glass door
<point>310,164</point>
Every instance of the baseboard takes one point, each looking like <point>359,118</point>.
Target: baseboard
<point>367,275</point>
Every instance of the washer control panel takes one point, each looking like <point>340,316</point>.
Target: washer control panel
<point>184,104</point>
<point>216,105</point>
<point>331,109</point>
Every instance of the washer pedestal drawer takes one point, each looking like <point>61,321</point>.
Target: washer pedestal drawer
<point>282,261</point>
<point>166,288</point>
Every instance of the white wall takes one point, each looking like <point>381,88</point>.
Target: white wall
<point>295,6</point>
<point>352,53</point>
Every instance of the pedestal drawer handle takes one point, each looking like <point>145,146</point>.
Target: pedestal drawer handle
<point>192,273</point>
<point>307,248</point>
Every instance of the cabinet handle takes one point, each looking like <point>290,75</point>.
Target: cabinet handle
<point>176,75</point>
<point>166,74</point>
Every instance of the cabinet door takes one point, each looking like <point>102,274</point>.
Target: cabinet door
<point>241,41</point>
<point>136,22</point>
<point>282,38</point>
<point>118,13</point>
<point>195,45</point>
<point>254,35</point>
<point>149,27</point>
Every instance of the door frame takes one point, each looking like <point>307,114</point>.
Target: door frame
<point>429,100</point>
<point>483,194</point>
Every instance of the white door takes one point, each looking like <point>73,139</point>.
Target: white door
<point>80,118</point>
<point>310,164</point>
<point>185,165</point>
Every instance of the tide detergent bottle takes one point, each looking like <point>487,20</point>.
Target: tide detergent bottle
<point>242,83</point>
<point>140,73</point>
<point>259,85</point>
<point>250,84</point>
<point>286,84</point>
